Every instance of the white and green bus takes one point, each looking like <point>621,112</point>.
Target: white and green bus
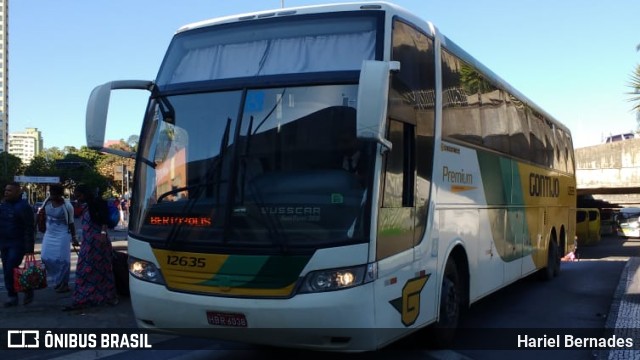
<point>244,216</point>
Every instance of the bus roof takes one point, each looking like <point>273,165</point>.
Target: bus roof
<point>298,10</point>
<point>397,10</point>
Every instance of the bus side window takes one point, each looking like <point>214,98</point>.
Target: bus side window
<point>399,166</point>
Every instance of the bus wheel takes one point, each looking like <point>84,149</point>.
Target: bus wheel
<point>556,261</point>
<point>553,263</point>
<point>442,333</point>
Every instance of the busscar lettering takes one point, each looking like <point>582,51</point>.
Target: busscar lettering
<point>544,186</point>
<point>449,148</point>
<point>290,210</point>
<point>293,213</point>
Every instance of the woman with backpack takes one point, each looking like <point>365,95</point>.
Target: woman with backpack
<point>59,232</point>
<point>95,284</point>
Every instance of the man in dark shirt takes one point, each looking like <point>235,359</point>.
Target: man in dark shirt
<point>17,237</point>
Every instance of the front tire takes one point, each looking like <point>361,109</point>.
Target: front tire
<point>442,333</point>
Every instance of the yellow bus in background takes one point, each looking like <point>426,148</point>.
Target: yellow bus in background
<point>608,222</point>
<point>588,225</point>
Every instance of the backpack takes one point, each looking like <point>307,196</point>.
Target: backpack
<point>113,218</point>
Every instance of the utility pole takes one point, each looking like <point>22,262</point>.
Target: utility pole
<point>122,179</point>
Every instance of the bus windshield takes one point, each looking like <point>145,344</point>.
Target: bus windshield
<point>288,172</point>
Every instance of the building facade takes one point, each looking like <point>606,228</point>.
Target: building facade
<point>26,145</point>
<point>4,75</point>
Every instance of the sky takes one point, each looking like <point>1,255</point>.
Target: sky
<point>573,58</point>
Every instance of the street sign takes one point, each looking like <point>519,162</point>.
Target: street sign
<point>37,179</point>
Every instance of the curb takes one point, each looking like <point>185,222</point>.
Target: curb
<point>623,303</point>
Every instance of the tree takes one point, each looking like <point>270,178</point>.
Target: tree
<point>10,166</point>
<point>635,94</point>
<point>72,166</point>
<point>635,85</point>
<point>41,166</point>
<point>132,141</point>
<point>86,166</point>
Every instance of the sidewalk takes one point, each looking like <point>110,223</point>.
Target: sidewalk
<point>624,315</point>
<point>46,309</point>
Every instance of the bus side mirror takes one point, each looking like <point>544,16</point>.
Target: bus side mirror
<point>373,97</point>
<point>98,107</point>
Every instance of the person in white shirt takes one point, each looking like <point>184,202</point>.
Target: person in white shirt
<point>59,234</point>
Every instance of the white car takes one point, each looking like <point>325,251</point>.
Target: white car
<point>629,222</point>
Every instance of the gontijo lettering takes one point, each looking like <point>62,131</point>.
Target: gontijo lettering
<point>456,177</point>
<point>543,186</point>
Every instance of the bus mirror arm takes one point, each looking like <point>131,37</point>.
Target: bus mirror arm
<point>98,107</point>
<point>386,145</point>
<point>371,115</point>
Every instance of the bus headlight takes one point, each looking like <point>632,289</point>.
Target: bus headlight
<point>145,270</point>
<point>337,279</point>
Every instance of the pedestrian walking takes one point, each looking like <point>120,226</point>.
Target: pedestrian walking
<point>94,283</point>
<point>17,237</point>
<point>60,232</point>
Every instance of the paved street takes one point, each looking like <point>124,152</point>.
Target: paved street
<point>45,313</point>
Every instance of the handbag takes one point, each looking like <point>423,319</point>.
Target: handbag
<point>42,220</point>
<point>31,276</point>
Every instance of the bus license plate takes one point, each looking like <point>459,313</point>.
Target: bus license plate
<point>226,319</point>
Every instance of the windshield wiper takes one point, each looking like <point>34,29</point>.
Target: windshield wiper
<point>243,174</point>
<point>275,106</point>
<point>212,177</point>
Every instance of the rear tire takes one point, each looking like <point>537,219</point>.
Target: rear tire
<point>553,263</point>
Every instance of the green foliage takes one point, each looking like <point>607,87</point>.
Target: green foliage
<point>10,166</point>
<point>72,166</point>
<point>635,85</point>
<point>473,82</point>
<point>133,141</point>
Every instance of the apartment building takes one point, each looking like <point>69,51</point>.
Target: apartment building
<point>26,145</point>
<point>4,76</point>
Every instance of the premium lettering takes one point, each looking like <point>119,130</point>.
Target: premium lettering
<point>456,177</point>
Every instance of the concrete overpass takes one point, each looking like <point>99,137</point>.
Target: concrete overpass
<point>610,172</point>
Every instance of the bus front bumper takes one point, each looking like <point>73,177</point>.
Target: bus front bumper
<point>337,320</point>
